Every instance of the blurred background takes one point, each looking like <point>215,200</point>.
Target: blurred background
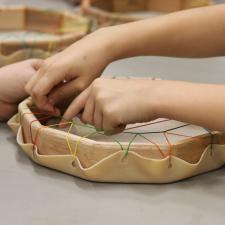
<point>198,70</point>
<point>51,3</point>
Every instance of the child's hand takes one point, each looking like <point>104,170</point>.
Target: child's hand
<point>68,73</point>
<point>180,34</point>
<point>111,104</point>
<point>13,79</point>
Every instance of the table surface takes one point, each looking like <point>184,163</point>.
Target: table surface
<point>31,194</point>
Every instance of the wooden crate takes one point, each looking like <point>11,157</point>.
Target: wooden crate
<point>105,5</point>
<point>113,12</point>
<point>59,28</point>
<point>164,6</point>
<point>129,5</point>
<point>43,20</point>
<point>185,4</point>
<point>12,19</point>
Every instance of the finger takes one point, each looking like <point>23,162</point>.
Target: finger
<point>64,91</point>
<point>31,83</point>
<point>45,105</point>
<point>45,65</point>
<point>48,80</point>
<point>98,118</point>
<point>76,106</point>
<point>88,114</point>
<point>106,125</point>
<point>43,82</point>
<point>43,87</point>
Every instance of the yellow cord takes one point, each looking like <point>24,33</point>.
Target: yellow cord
<point>67,139</point>
<point>74,153</point>
<point>78,143</point>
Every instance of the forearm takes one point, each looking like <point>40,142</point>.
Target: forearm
<point>200,104</point>
<point>190,33</point>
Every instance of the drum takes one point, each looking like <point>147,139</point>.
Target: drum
<point>160,151</point>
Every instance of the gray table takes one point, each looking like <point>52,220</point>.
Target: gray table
<point>30,194</point>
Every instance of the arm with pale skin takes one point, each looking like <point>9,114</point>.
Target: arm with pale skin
<point>191,33</point>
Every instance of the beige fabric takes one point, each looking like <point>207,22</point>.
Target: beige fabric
<point>134,169</point>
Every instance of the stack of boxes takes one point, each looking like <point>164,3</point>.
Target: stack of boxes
<point>147,5</point>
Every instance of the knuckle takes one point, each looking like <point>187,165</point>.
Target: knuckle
<point>107,112</point>
<point>45,66</point>
<point>111,115</point>
<point>99,98</point>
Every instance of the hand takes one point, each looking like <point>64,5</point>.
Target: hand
<point>66,74</point>
<point>13,79</point>
<point>111,104</point>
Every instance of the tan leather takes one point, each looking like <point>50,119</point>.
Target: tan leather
<point>134,169</point>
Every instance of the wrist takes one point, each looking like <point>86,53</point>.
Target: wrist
<point>116,42</point>
<point>160,98</point>
<point>110,43</point>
